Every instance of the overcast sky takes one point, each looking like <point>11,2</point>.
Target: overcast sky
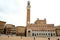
<point>14,11</point>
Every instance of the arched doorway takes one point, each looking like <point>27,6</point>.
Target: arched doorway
<point>4,30</point>
<point>29,33</point>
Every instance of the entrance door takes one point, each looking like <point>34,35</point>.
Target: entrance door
<point>29,33</point>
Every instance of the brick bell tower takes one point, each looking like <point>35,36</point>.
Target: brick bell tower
<point>28,13</point>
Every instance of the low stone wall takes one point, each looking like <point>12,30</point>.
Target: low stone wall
<point>27,38</point>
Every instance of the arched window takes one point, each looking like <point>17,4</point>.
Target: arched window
<point>35,34</point>
<point>51,34</point>
<point>32,34</point>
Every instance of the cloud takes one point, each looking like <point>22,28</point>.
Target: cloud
<point>8,6</point>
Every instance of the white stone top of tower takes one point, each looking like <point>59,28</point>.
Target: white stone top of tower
<point>28,5</point>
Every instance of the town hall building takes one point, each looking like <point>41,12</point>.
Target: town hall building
<point>40,28</point>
